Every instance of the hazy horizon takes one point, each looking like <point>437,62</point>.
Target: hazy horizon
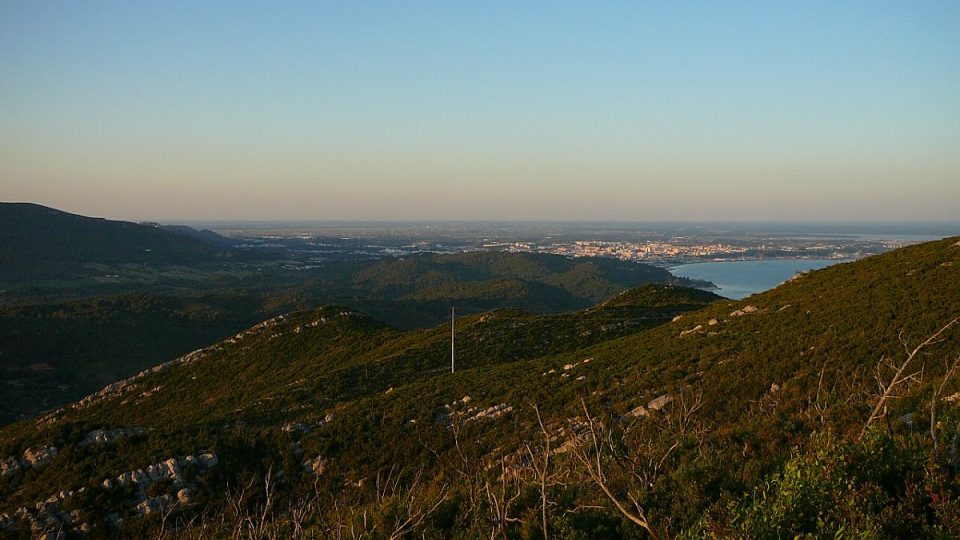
<point>947,225</point>
<point>740,112</point>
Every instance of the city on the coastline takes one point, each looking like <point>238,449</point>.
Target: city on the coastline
<point>665,246</point>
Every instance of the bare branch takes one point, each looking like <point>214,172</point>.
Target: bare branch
<point>898,376</point>
<point>594,468</point>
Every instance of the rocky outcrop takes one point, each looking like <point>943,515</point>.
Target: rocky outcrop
<point>658,403</point>
<point>107,436</point>
<point>48,517</point>
<point>31,458</point>
<point>638,412</point>
<point>745,311</point>
<point>128,385</point>
<point>39,456</point>
<point>258,328</point>
<point>655,404</point>
<point>490,413</point>
<point>568,367</point>
<point>309,325</point>
<point>693,330</point>
<point>169,469</point>
<point>460,412</point>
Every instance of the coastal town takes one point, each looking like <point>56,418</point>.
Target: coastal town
<point>664,246</point>
<point>693,250</point>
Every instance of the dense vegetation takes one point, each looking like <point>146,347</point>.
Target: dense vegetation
<point>84,302</point>
<point>759,418</point>
<point>52,354</point>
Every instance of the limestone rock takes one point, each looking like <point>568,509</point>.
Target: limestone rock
<point>639,412</point>
<point>40,456</point>
<point>696,328</point>
<point>658,403</point>
<point>745,311</point>
<point>168,469</point>
<point>104,436</point>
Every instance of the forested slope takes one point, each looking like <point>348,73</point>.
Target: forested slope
<point>737,419</point>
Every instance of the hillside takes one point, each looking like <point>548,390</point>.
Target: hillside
<point>37,242</point>
<point>737,419</point>
<point>53,351</point>
<point>51,354</point>
<point>47,255</point>
<point>424,286</point>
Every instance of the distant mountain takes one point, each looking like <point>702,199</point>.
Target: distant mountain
<point>204,235</point>
<point>37,242</point>
<point>662,412</point>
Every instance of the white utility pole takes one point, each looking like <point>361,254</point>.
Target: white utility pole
<point>453,327</point>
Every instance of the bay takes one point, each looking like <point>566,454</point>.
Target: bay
<point>739,279</point>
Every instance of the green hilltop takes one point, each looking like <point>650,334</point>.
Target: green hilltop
<point>660,412</point>
<point>85,302</point>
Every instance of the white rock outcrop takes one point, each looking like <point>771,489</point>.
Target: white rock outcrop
<point>658,403</point>
<point>638,412</point>
<point>39,456</point>
<point>693,330</point>
<point>168,469</point>
<point>745,311</point>
<point>107,436</point>
<point>34,457</point>
<point>492,412</point>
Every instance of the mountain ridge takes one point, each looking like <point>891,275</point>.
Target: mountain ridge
<point>41,242</point>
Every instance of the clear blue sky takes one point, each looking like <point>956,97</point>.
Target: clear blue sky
<point>483,110</point>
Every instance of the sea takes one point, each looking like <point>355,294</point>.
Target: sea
<point>739,279</point>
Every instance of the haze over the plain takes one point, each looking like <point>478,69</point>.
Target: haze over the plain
<point>493,110</point>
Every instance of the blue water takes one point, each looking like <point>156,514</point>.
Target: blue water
<point>739,279</point>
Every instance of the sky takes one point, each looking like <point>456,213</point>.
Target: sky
<point>625,111</point>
